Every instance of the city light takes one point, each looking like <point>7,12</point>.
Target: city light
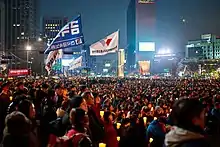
<point>164,51</point>
<point>28,47</point>
<point>39,39</point>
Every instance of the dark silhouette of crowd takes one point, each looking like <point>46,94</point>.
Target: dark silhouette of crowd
<point>109,112</point>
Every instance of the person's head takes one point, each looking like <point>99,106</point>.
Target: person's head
<point>217,105</point>
<point>108,117</point>
<point>89,98</point>
<point>17,123</point>
<point>188,113</point>
<point>20,86</point>
<point>27,108</point>
<point>65,94</point>
<point>79,118</point>
<point>79,102</point>
<point>58,90</point>
<point>96,98</point>
<point>5,87</point>
<point>44,87</point>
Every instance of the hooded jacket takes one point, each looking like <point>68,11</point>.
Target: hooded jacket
<point>179,137</point>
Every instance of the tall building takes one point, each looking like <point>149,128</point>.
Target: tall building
<point>20,27</point>
<point>52,25</point>
<point>207,47</point>
<point>2,26</point>
<point>141,19</point>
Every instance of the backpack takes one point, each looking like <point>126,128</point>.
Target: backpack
<point>66,141</point>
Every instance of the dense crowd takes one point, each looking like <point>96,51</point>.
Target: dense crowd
<point>109,112</point>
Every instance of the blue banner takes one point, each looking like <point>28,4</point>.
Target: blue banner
<point>69,36</point>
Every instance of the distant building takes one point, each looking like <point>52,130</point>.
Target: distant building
<point>2,26</point>
<point>20,29</point>
<point>52,25</point>
<point>141,21</point>
<point>208,47</point>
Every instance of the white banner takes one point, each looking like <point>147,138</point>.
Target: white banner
<point>76,63</point>
<point>107,45</point>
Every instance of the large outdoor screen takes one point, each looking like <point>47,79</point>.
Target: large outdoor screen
<point>66,62</point>
<point>147,46</point>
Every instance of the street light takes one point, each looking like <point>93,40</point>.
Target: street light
<point>28,48</point>
<point>39,39</point>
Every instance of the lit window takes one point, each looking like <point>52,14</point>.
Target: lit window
<point>18,38</point>
<point>22,33</point>
<point>14,25</point>
<point>18,25</point>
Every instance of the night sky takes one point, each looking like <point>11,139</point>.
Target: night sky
<point>102,17</point>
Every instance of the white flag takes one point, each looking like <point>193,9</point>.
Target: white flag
<point>107,45</point>
<point>76,63</point>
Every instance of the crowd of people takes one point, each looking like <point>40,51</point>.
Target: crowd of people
<point>109,112</point>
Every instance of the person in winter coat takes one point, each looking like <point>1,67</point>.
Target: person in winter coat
<point>110,132</point>
<point>95,126</point>
<point>188,117</point>
<point>78,134</point>
<point>59,126</point>
<point>156,130</point>
<point>17,132</point>
<point>27,108</point>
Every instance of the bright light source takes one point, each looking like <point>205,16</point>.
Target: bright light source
<point>28,47</point>
<point>39,39</point>
<point>164,51</point>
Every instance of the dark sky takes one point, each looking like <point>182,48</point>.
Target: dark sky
<point>101,17</point>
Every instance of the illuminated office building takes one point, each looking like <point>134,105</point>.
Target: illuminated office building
<point>52,25</point>
<point>140,31</point>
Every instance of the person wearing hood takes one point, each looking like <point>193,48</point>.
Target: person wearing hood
<point>188,116</point>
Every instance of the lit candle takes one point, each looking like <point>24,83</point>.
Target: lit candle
<point>170,110</point>
<point>155,118</point>
<point>102,145</point>
<point>151,140</point>
<point>118,125</point>
<point>152,109</point>
<point>118,138</point>
<point>102,113</point>
<point>168,114</point>
<point>11,98</point>
<point>145,120</point>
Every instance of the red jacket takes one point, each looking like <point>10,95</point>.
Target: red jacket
<point>110,135</point>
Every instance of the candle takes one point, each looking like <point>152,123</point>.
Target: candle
<point>102,145</point>
<point>151,140</point>
<point>102,113</point>
<point>118,125</point>
<point>118,138</point>
<point>155,118</point>
<point>168,114</point>
<point>152,109</point>
<point>11,98</point>
<point>145,120</point>
<point>170,110</point>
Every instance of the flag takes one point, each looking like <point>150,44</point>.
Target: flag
<point>107,45</point>
<point>76,63</point>
<point>51,58</point>
<point>69,36</point>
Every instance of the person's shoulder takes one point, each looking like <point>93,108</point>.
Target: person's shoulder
<point>196,143</point>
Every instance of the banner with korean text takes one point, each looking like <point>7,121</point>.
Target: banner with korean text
<point>69,36</point>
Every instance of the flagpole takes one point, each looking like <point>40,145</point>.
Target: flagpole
<point>117,57</point>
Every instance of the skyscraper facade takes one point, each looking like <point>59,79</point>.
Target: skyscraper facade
<point>52,26</point>
<point>20,26</point>
<point>141,20</point>
<point>2,26</point>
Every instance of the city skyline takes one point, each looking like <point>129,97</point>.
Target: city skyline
<point>186,18</point>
